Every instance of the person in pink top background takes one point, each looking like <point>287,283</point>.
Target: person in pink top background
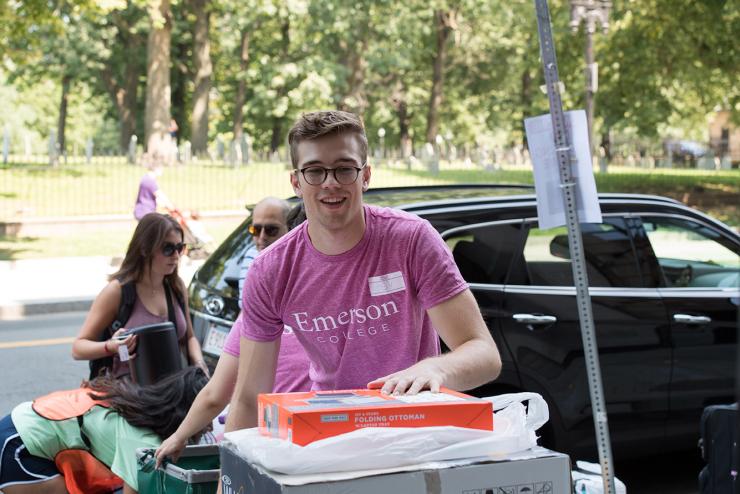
<point>150,196</point>
<point>293,365</point>
<point>366,290</point>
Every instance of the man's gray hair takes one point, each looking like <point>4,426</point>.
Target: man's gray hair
<point>277,202</point>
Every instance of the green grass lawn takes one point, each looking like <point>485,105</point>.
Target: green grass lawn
<point>109,242</point>
<point>32,191</point>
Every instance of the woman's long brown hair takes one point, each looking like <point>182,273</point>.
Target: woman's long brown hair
<point>160,407</point>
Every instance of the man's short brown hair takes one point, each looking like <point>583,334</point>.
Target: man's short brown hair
<point>318,124</point>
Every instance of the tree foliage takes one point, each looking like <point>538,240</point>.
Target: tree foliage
<point>464,69</point>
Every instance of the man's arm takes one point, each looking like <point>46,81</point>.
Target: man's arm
<point>473,360</point>
<point>257,364</point>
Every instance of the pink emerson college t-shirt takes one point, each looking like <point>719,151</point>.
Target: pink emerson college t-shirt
<point>359,315</point>
<point>292,366</point>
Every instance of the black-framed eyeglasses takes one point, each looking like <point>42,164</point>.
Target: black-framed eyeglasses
<point>344,175</point>
<point>270,230</point>
<point>169,249</point>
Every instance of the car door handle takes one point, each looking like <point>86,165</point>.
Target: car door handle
<point>534,319</point>
<point>689,319</point>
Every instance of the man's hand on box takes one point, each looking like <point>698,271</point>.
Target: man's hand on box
<point>423,375</point>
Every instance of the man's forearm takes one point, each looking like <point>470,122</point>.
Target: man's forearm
<point>205,407</point>
<point>472,364</point>
<point>257,363</point>
<point>242,414</point>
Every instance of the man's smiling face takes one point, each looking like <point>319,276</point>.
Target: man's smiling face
<point>331,206</point>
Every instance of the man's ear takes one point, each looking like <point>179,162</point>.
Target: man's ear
<point>366,172</point>
<point>296,184</point>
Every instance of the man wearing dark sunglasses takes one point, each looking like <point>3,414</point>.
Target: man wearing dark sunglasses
<point>368,291</point>
<point>269,223</point>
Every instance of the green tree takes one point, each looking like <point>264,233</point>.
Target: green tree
<point>667,62</point>
<point>121,63</point>
<point>203,68</point>
<point>158,89</point>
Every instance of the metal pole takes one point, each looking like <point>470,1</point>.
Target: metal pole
<point>736,466</point>
<point>575,242</point>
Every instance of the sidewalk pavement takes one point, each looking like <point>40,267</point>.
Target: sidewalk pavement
<point>66,284</point>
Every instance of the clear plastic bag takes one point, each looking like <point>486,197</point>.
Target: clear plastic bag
<point>587,479</point>
<point>378,448</point>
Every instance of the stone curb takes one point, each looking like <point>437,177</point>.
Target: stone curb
<point>18,310</point>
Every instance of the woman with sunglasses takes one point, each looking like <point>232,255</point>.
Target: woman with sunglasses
<point>150,265</point>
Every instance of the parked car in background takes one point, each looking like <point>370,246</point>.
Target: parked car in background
<point>664,290</point>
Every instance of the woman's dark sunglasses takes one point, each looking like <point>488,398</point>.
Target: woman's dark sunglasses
<point>169,249</point>
<point>270,230</point>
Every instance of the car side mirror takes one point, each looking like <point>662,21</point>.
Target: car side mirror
<point>559,247</point>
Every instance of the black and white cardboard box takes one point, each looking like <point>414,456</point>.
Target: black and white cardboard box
<point>535,471</point>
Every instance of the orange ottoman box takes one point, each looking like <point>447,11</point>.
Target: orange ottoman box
<point>303,418</point>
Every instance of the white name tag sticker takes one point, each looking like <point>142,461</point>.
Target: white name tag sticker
<point>386,283</point>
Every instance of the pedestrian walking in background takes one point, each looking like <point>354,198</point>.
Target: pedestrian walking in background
<point>150,196</point>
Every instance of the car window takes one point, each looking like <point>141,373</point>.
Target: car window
<point>610,256</point>
<point>691,254</point>
<point>221,272</point>
<point>484,253</point>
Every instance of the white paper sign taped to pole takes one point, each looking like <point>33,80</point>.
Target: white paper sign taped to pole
<point>550,206</point>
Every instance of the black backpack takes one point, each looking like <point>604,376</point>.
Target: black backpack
<point>126,306</point>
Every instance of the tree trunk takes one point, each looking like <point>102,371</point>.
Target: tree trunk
<point>402,112</point>
<point>129,101</point>
<point>180,78</point>
<point>124,93</point>
<point>277,125</point>
<point>125,99</point>
<point>355,100</point>
<point>62,123</point>
<point>241,89</point>
<point>277,134</point>
<point>203,72</point>
<point>158,79</point>
<point>444,24</point>
<point>606,143</point>
<point>526,99</point>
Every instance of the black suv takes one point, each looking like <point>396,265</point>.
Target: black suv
<point>664,290</point>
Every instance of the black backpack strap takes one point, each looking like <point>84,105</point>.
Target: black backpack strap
<point>170,310</point>
<point>125,307</point>
<point>178,297</point>
<point>128,298</point>
<point>173,317</point>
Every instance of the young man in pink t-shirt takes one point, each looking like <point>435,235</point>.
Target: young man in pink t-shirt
<point>366,290</point>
